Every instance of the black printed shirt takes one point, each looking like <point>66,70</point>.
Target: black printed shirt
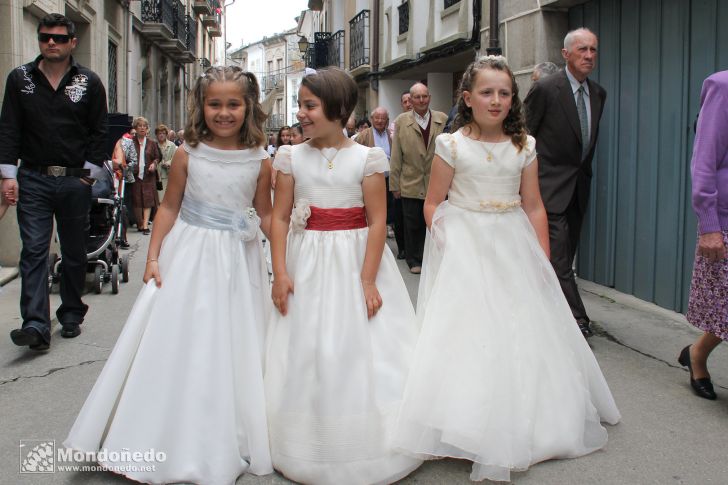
<point>43,126</point>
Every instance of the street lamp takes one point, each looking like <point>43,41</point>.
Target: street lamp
<point>303,44</point>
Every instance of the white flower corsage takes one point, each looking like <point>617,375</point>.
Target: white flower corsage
<point>299,215</point>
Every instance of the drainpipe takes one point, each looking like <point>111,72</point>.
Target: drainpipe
<point>129,33</point>
<point>374,46</point>
<point>494,43</point>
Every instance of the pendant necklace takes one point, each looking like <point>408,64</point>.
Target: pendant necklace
<point>330,160</point>
<point>490,153</point>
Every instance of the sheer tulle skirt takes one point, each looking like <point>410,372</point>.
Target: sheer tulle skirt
<point>186,375</point>
<point>502,375</point>
<point>334,379</point>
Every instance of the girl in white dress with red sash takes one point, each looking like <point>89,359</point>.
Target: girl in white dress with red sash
<point>502,375</point>
<point>338,353</point>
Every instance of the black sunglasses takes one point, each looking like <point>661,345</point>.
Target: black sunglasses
<point>57,38</point>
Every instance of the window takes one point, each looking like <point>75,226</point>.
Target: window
<point>113,86</point>
<point>450,3</point>
<point>403,17</point>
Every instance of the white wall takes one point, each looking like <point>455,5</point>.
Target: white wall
<point>390,94</point>
<point>440,86</point>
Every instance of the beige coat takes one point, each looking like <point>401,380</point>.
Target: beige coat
<point>366,138</point>
<point>410,162</point>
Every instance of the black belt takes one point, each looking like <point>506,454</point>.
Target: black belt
<point>57,171</point>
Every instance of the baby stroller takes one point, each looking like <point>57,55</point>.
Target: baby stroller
<point>104,236</point>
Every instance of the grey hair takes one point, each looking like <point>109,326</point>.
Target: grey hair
<point>418,84</point>
<point>546,68</point>
<point>380,108</point>
<point>569,38</point>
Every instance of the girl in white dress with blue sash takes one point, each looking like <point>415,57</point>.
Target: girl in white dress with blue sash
<point>502,376</point>
<point>185,378</point>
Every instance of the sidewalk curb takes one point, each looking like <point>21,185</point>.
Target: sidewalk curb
<point>7,275</point>
<point>633,302</point>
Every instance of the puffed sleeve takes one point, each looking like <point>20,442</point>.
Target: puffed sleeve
<point>376,162</point>
<point>282,162</point>
<point>445,148</point>
<point>529,151</point>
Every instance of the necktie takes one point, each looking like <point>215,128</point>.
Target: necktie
<point>583,121</point>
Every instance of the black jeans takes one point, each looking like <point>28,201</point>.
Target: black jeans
<point>414,230</point>
<point>42,197</point>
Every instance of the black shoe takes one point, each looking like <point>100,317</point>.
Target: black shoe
<point>124,245</point>
<point>71,330</point>
<point>30,337</point>
<point>702,387</point>
<point>401,255</point>
<point>145,232</point>
<point>585,329</point>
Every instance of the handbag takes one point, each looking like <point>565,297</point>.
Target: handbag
<point>159,185</point>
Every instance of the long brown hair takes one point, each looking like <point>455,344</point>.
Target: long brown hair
<point>251,133</point>
<point>515,123</point>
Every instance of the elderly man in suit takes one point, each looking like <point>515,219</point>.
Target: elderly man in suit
<point>413,147</point>
<point>562,113</point>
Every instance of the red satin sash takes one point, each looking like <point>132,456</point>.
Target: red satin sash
<point>336,219</point>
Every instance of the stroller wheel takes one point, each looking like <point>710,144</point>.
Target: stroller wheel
<point>124,267</point>
<point>98,279</point>
<point>115,279</point>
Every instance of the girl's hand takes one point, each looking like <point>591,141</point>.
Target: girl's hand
<point>150,169</point>
<point>152,272</point>
<point>371,297</point>
<point>711,247</point>
<point>282,286</point>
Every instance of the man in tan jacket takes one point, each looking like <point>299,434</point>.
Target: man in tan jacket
<point>413,147</point>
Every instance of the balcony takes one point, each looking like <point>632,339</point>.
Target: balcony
<point>211,20</point>
<point>177,45</point>
<point>202,7</point>
<point>327,50</point>
<point>359,41</point>
<point>158,19</point>
<point>275,122</point>
<point>272,81</point>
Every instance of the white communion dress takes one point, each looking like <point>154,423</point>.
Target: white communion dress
<point>185,377</point>
<point>334,379</point>
<point>502,375</point>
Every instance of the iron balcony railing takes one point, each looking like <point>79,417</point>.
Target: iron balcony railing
<point>403,11</point>
<point>327,50</point>
<point>336,49</point>
<point>190,33</point>
<point>160,12</point>
<point>180,26</point>
<point>450,3</point>
<point>275,121</point>
<point>359,41</point>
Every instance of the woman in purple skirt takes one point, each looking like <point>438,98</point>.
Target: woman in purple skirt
<point>708,303</point>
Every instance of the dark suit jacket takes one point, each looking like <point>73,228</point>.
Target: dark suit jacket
<point>552,119</point>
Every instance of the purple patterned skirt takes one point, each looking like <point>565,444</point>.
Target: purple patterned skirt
<point>708,303</point>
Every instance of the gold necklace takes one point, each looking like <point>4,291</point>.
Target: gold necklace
<point>330,160</point>
<point>489,151</point>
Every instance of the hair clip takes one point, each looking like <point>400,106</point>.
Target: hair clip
<point>308,72</point>
<point>492,57</point>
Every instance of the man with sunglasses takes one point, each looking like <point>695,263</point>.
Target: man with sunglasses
<point>54,121</point>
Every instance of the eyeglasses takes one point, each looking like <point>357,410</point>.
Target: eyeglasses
<point>57,38</point>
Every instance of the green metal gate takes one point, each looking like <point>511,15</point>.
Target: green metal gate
<point>640,232</point>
